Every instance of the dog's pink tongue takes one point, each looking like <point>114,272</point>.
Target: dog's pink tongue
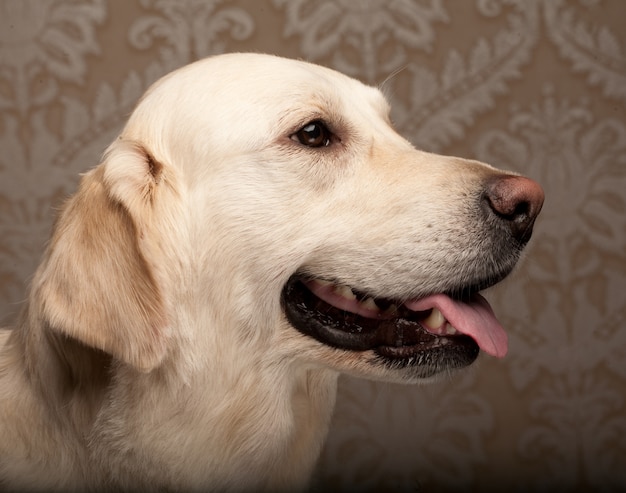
<point>474,318</point>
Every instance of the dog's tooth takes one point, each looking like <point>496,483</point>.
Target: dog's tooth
<point>345,292</point>
<point>450,331</point>
<point>370,304</point>
<point>322,282</point>
<point>435,319</point>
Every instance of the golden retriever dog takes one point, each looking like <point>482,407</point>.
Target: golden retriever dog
<point>256,229</point>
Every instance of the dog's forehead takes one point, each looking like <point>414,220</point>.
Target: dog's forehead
<point>249,100</point>
<point>294,87</point>
<point>271,84</point>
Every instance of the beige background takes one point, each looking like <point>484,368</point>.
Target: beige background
<point>534,86</point>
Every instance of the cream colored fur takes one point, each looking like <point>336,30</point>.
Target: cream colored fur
<point>153,353</point>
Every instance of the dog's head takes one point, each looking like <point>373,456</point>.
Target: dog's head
<point>254,203</point>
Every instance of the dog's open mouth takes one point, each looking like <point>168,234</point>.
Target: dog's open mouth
<point>340,316</point>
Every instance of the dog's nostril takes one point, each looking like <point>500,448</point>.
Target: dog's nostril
<point>517,201</point>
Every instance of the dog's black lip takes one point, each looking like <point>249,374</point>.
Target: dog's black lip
<point>397,338</point>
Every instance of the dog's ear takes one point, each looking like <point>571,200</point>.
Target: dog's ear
<point>98,282</point>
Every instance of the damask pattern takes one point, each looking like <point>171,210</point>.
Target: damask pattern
<point>45,41</point>
<point>366,38</point>
<point>591,49</point>
<point>191,29</point>
<point>535,86</point>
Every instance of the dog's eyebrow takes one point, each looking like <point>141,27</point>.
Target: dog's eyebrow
<point>293,120</point>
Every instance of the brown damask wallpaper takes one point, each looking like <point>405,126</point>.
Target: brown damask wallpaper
<point>537,86</point>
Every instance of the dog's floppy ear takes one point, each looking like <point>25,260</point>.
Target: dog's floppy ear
<point>97,283</point>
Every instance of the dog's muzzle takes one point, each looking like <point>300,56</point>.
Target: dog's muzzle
<point>438,330</point>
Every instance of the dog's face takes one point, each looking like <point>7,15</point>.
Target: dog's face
<point>273,200</point>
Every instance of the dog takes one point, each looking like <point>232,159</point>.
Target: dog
<point>257,228</point>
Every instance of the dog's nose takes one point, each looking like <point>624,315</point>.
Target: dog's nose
<point>517,201</point>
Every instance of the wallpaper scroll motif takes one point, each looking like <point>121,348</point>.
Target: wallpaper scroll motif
<point>190,29</point>
<point>365,38</point>
<point>592,49</point>
<point>42,44</point>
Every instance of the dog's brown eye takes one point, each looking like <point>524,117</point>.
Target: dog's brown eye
<point>314,134</point>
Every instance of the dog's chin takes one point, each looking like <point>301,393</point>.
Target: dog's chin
<point>391,336</point>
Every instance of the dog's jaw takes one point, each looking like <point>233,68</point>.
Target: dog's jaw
<point>402,341</point>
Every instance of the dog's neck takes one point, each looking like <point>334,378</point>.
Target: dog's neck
<point>87,395</point>
<point>259,420</point>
